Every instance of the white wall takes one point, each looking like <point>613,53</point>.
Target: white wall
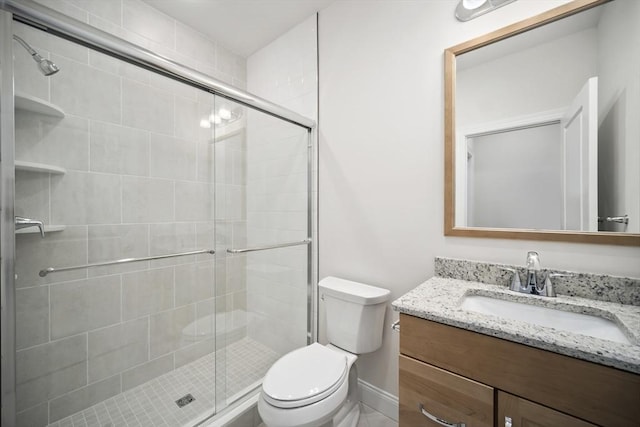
<point>381,155</point>
<point>542,78</point>
<point>532,195</point>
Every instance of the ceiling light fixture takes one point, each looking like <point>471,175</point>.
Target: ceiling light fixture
<point>469,9</point>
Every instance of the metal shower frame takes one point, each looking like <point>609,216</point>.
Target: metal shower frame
<point>53,22</point>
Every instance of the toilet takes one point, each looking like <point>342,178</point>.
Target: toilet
<point>317,385</point>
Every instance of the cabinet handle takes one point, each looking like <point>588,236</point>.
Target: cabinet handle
<point>439,420</point>
<point>508,422</point>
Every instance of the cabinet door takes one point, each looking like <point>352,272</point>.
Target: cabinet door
<point>431,396</point>
<point>514,411</point>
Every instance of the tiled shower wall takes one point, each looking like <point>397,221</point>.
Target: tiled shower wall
<point>139,182</point>
<point>284,72</point>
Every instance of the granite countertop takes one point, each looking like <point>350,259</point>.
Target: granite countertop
<point>439,299</point>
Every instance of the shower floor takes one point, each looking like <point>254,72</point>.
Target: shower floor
<point>152,404</point>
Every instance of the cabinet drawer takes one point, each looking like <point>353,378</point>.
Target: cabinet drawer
<point>447,396</point>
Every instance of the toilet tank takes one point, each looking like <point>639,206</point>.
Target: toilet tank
<point>354,314</point>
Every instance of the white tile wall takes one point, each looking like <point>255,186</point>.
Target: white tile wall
<point>83,305</point>
<point>284,72</point>
<point>139,182</point>
<point>98,101</point>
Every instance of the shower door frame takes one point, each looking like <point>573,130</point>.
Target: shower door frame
<point>7,224</point>
<point>51,21</point>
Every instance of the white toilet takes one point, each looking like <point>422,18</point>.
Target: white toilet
<point>318,385</point>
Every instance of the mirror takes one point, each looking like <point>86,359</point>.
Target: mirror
<point>542,136</point>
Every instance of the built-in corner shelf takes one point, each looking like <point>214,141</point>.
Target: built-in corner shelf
<point>36,230</point>
<point>34,104</point>
<point>39,167</point>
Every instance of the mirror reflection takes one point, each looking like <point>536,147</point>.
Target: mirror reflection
<point>547,132</point>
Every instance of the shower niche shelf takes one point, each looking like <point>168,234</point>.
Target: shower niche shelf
<point>47,229</point>
<point>34,104</point>
<point>39,168</point>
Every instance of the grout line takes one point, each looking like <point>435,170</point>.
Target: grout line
<point>121,298</point>
<point>87,357</point>
<point>49,306</point>
<point>148,338</point>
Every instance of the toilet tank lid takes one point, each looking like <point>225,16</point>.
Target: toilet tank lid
<point>353,291</point>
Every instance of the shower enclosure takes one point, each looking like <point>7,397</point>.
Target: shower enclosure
<point>172,265</point>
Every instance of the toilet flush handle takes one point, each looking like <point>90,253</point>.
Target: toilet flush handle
<point>396,325</point>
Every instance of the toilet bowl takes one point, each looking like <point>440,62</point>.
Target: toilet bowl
<point>306,387</point>
<point>316,385</point>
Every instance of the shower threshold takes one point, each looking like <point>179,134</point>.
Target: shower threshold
<point>153,403</point>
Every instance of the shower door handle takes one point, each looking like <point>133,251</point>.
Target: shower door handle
<point>267,247</point>
<point>22,222</point>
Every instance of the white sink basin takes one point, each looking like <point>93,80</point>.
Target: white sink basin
<point>577,323</point>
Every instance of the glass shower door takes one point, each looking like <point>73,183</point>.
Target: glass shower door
<point>117,162</point>
<point>263,251</point>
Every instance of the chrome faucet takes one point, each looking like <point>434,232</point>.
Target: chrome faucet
<point>533,269</point>
<point>536,283</point>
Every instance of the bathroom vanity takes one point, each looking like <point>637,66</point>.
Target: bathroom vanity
<point>459,367</point>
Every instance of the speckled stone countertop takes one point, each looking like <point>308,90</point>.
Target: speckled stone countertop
<point>439,299</point>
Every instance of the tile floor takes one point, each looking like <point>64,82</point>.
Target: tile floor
<point>371,418</point>
<point>152,404</point>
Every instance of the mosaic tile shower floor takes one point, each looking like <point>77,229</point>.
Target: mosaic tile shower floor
<point>152,404</point>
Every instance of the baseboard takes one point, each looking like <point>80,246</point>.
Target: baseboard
<point>378,399</point>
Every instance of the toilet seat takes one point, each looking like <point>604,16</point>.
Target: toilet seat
<point>305,376</point>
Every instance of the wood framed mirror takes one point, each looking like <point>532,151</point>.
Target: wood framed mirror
<point>542,137</point>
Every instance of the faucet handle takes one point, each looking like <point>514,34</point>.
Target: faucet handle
<point>533,261</point>
<point>22,222</point>
<point>549,290</point>
<point>516,284</point>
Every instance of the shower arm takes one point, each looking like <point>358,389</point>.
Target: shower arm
<point>25,45</point>
<point>46,66</point>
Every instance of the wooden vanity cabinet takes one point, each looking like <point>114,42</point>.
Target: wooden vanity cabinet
<point>465,377</point>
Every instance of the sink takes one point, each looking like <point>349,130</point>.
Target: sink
<point>577,323</point>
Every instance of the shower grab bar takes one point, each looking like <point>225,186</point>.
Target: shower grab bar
<point>264,248</point>
<point>43,273</point>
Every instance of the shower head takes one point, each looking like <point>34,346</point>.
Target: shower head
<point>46,67</point>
